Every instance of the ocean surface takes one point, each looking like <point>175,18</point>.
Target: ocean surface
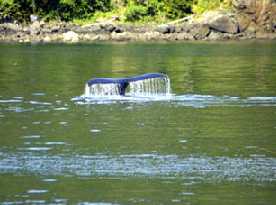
<point>213,141</point>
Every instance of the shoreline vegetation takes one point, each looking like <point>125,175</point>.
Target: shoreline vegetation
<point>75,21</point>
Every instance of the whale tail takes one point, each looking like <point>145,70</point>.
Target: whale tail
<point>146,84</point>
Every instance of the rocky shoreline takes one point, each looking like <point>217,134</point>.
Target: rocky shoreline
<point>248,20</point>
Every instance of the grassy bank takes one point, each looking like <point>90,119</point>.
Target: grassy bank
<point>89,11</point>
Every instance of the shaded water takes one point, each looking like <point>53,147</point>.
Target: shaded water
<point>211,142</point>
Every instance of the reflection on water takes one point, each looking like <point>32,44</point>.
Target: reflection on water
<point>210,142</point>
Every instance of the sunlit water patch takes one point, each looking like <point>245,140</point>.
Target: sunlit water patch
<point>151,165</point>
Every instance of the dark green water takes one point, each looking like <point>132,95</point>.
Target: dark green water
<point>212,143</point>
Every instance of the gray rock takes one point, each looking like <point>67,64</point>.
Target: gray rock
<point>121,36</point>
<point>26,30</point>
<point>70,36</point>
<point>245,36</point>
<point>178,29</point>
<point>119,29</point>
<point>150,36</point>
<point>200,31</point>
<point>214,36</point>
<point>197,30</point>
<point>217,36</point>
<point>8,28</point>
<point>96,28</point>
<point>92,28</point>
<point>171,29</point>
<point>136,29</point>
<point>186,28</point>
<point>35,28</point>
<point>77,29</point>
<point>47,39</point>
<point>165,28</point>
<point>183,36</point>
<point>224,24</point>
<point>54,29</point>
<point>107,27</point>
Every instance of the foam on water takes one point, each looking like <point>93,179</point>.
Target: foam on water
<point>188,100</point>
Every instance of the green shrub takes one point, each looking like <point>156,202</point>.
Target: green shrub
<point>135,12</point>
<point>155,7</point>
<point>200,6</point>
<point>11,10</point>
<point>51,9</point>
<point>178,8</point>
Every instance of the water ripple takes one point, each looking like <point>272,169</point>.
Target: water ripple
<point>189,100</point>
<point>18,105</point>
<point>39,103</point>
<point>11,101</point>
<point>152,165</point>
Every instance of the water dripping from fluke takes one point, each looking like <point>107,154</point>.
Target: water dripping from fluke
<point>148,85</point>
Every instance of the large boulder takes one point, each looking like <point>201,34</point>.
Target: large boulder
<point>220,21</point>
